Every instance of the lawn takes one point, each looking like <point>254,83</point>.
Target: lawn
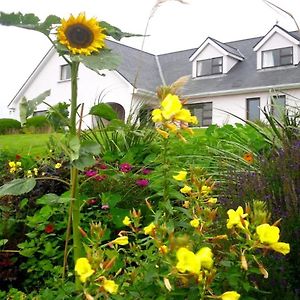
<point>25,144</point>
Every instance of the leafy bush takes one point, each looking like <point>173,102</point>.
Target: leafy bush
<point>38,124</point>
<point>58,116</point>
<point>9,126</point>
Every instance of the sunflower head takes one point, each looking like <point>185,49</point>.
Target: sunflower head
<point>81,35</point>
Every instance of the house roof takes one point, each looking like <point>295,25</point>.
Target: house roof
<point>146,71</point>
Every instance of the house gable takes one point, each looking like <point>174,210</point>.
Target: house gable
<point>276,40</point>
<point>217,56</point>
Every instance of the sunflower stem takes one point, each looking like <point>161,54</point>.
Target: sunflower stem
<point>75,201</point>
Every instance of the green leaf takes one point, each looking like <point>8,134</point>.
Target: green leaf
<point>74,147</point>
<point>90,147</point>
<point>111,199</point>
<point>115,32</point>
<point>3,242</point>
<point>103,60</point>
<point>103,110</point>
<point>32,104</point>
<point>29,21</point>
<point>83,161</point>
<point>118,215</point>
<point>18,187</point>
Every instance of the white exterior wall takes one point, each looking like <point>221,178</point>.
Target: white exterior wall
<point>112,87</point>
<point>274,42</point>
<point>236,105</point>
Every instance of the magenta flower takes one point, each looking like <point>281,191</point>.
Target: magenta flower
<point>102,166</point>
<point>105,207</point>
<point>142,182</point>
<point>146,171</point>
<point>91,173</point>
<point>125,167</point>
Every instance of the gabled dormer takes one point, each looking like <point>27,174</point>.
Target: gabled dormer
<point>214,58</point>
<point>278,48</point>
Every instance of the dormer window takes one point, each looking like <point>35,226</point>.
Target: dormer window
<point>210,66</point>
<point>277,57</point>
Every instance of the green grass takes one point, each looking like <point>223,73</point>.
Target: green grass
<point>25,144</point>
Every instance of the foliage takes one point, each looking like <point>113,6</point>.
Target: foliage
<point>58,116</point>
<point>37,124</point>
<point>9,126</point>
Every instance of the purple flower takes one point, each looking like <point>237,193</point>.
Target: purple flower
<point>142,182</point>
<point>146,171</point>
<point>105,206</point>
<point>125,167</point>
<point>91,173</point>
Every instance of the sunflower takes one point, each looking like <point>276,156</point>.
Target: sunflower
<point>80,35</point>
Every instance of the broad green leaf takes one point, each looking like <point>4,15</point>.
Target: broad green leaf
<point>115,32</point>
<point>111,199</point>
<point>103,60</point>
<point>116,124</point>
<point>103,110</point>
<point>90,147</point>
<point>3,242</point>
<point>84,160</point>
<point>118,215</point>
<point>32,104</point>
<point>74,147</point>
<point>18,187</point>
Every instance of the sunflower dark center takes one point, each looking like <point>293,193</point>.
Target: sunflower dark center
<point>79,36</point>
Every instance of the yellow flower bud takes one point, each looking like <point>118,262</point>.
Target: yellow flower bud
<point>181,176</point>
<point>122,240</point>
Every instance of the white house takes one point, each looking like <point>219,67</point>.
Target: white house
<point>236,77</point>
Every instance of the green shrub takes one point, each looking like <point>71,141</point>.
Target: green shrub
<point>9,126</point>
<point>38,124</point>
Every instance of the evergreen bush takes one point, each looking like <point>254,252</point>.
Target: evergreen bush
<point>9,126</point>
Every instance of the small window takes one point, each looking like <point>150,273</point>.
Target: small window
<point>277,57</point>
<point>40,113</point>
<point>210,66</point>
<point>203,112</point>
<point>65,72</point>
<point>253,110</point>
<point>278,104</point>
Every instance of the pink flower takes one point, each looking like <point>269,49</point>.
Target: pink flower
<point>142,182</point>
<point>92,201</point>
<point>105,206</point>
<point>100,177</point>
<point>102,166</point>
<point>146,171</point>
<point>125,167</point>
<point>91,173</point>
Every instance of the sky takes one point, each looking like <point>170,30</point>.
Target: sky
<point>174,26</point>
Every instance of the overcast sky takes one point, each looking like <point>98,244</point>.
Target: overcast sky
<point>174,26</point>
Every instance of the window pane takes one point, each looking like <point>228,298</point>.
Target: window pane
<point>253,111</point>
<point>204,67</point>
<point>286,60</point>
<point>287,51</point>
<point>277,57</point>
<point>216,69</point>
<point>203,112</point>
<point>65,72</point>
<point>217,61</point>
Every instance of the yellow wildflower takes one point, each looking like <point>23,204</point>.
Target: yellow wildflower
<point>186,204</point>
<point>110,286</point>
<point>212,200</point>
<point>231,295</point>
<point>163,133</point>
<point>205,189</point>
<point>185,116</point>
<point>149,229</point>
<point>122,240</point>
<point>186,189</point>
<point>18,164</point>
<point>171,105</point>
<point>157,116</point>
<point>181,176</point>
<point>12,164</point>
<point>163,249</point>
<point>267,233</point>
<point>83,269</point>
<point>126,221</point>
<point>35,171</point>
<point>57,165</point>
<point>187,261</point>
<point>283,248</point>
<point>194,223</point>
<point>235,218</point>
<point>206,257</point>
<point>29,173</point>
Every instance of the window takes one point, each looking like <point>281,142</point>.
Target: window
<point>65,72</point>
<point>277,57</point>
<point>210,66</point>
<point>278,106</point>
<point>253,111</point>
<point>203,112</point>
<point>40,113</point>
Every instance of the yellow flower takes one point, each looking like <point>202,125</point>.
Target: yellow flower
<point>187,261</point>
<point>205,189</point>
<point>126,221</point>
<point>163,249</point>
<point>12,164</point>
<point>186,189</point>
<point>235,218</point>
<point>83,269</point>
<point>194,223</point>
<point>18,164</point>
<point>184,115</point>
<point>181,176</point>
<point>29,173</point>
<point>35,171</point>
<point>173,128</point>
<point>231,295</point>
<point>149,229</point>
<point>186,204</point>
<point>212,200</point>
<point>206,257</point>
<point>163,133</point>
<point>57,165</point>
<point>12,170</point>
<point>267,233</point>
<point>110,286</point>
<point>122,240</point>
<point>283,248</point>
<point>81,35</point>
<point>157,116</point>
<point>171,105</point>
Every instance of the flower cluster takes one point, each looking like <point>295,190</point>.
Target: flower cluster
<point>172,117</point>
<point>14,166</point>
